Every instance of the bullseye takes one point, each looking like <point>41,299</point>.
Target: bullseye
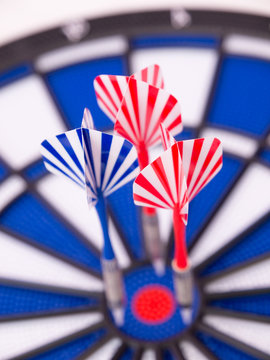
<point>153,304</point>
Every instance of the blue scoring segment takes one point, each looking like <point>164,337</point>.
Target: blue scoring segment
<point>72,349</point>
<point>128,217</point>
<point>17,300</point>
<point>240,101</point>
<point>3,171</point>
<point>256,304</point>
<point>73,89</point>
<point>256,243</point>
<point>204,203</point>
<point>48,231</point>
<point>128,354</point>
<point>35,171</point>
<point>265,156</point>
<point>222,350</point>
<point>161,40</point>
<point>15,73</point>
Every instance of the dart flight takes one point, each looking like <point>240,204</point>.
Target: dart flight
<point>110,89</point>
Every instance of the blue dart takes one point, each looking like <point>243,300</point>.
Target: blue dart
<point>100,163</point>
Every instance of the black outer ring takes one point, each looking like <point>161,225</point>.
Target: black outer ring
<point>212,22</point>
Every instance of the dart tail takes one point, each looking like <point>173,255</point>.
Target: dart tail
<point>151,232</point>
<point>112,275</point>
<point>182,272</point>
<point>183,286</point>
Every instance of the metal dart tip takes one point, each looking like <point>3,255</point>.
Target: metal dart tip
<point>186,314</point>
<point>118,315</point>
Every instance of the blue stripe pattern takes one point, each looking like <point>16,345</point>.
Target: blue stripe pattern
<point>110,161</point>
<point>256,304</point>
<point>17,300</point>
<point>48,231</point>
<point>72,349</point>
<point>161,40</point>
<point>256,243</point>
<point>222,350</point>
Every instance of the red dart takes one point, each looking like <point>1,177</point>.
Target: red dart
<point>110,89</point>
<point>162,184</point>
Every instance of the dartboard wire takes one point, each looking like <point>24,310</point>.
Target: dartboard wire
<point>50,288</point>
<point>60,342</point>
<point>137,355</point>
<point>93,348</point>
<point>50,251</point>
<point>228,191</point>
<point>230,341</point>
<point>120,352</point>
<point>236,267</point>
<point>87,309</point>
<point>191,338</point>
<point>176,352</point>
<point>236,293</point>
<point>226,248</point>
<point>241,315</point>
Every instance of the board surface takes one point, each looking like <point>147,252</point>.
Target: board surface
<point>51,296</point>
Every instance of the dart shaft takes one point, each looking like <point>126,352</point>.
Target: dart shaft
<point>108,252</point>
<point>183,285</point>
<point>113,282</point>
<point>180,249</point>
<point>143,159</point>
<point>151,231</point>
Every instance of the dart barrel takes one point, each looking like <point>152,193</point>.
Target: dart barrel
<point>153,244</point>
<point>183,285</point>
<point>113,283</point>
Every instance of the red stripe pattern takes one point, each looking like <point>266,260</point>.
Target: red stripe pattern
<point>166,138</point>
<point>202,159</point>
<point>110,89</point>
<point>162,183</point>
<point>143,109</point>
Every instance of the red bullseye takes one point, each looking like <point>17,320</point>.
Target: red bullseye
<point>153,304</point>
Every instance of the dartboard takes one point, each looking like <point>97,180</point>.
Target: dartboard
<point>52,303</point>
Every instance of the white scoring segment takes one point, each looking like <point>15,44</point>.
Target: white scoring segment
<point>19,337</point>
<point>233,143</point>
<point>247,46</point>
<point>70,201</point>
<point>118,247</point>
<point>191,352</point>
<point>107,351</point>
<point>188,75</point>
<point>256,276</point>
<point>94,49</point>
<point>165,224</point>
<point>249,200</point>
<point>251,333</point>
<point>164,215</point>
<point>22,262</point>
<point>148,355</point>
<point>10,189</point>
<point>28,116</point>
